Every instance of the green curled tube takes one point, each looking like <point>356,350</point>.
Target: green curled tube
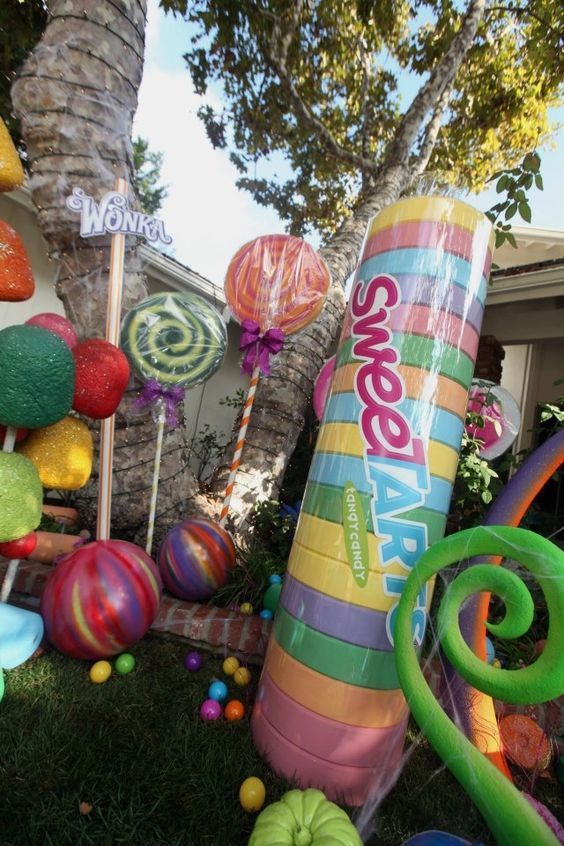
<point>509,815</point>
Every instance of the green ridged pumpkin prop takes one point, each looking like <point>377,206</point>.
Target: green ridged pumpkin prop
<point>304,818</point>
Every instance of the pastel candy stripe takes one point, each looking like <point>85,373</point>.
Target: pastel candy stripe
<point>442,460</point>
<point>353,746</point>
<point>421,320</point>
<point>316,570</point>
<point>448,237</point>
<point>339,783</point>
<point>427,420</point>
<point>330,536</point>
<point>355,706</point>
<point>441,209</point>
<point>360,626</point>
<point>419,384</point>
<point>337,470</point>
<point>445,360</point>
<point>444,295</point>
<point>326,502</point>
<point>427,262</point>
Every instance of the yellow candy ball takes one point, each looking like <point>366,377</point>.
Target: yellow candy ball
<point>100,672</point>
<point>11,170</point>
<point>246,608</point>
<point>242,676</point>
<point>230,665</point>
<point>62,454</point>
<point>252,794</point>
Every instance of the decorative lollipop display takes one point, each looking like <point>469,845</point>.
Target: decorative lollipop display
<point>174,342</point>
<point>275,286</point>
<point>16,277</point>
<point>501,416</point>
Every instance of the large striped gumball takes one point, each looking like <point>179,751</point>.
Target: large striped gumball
<point>101,599</point>
<point>195,559</point>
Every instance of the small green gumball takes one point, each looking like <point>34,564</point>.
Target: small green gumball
<point>125,663</point>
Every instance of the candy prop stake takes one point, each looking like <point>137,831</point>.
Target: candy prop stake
<point>173,342</point>
<point>275,286</point>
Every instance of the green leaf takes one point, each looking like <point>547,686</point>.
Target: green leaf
<point>525,210</point>
<point>511,211</point>
<point>538,181</point>
<point>532,162</point>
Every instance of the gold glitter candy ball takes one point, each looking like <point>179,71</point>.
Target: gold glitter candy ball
<point>62,454</point>
<point>11,170</point>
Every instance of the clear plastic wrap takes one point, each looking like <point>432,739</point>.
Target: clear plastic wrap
<point>330,708</point>
<point>501,415</point>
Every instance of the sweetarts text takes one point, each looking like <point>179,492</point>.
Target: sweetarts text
<point>395,459</point>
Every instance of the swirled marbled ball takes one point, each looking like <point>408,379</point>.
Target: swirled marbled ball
<point>195,559</point>
<point>101,599</point>
<point>177,339</point>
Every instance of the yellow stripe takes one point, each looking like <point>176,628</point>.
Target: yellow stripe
<point>345,439</point>
<point>335,579</point>
<point>332,537</point>
<point>441,209</point>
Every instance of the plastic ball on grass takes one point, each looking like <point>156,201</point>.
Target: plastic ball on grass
<point>196,559</point>
<point>100,672</point>
<point>125,663</point>
<point>242,677</point>
<point>218,691</point>
<point>246,608</point>
<point>275,579</point>
<point>252,794</point>
<point>210,710</point>
<point>234,711</point>
<point>193,661</point>
<point>266,614</point>
<point>230,665</point>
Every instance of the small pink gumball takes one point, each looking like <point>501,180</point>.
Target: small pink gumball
<point>57,324</point>
<point>210,709</point>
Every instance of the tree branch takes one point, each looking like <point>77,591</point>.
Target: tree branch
<point>421,161</point>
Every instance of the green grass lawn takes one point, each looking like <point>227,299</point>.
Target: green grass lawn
<point>136,750</point>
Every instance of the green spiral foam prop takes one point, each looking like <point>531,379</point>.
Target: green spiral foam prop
<point>509,815</point>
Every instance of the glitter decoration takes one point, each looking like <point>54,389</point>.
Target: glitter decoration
<point>57,324</point>
<point>21,496</point>
<point>101,599</point>
<point>11,170</point>
<point>195,559</point>
<point>176,339</point>
<point>62,454</point>
<point>277,281</point>
<point>102,374</point>
<point>16,277</point>
<point>37,371</point>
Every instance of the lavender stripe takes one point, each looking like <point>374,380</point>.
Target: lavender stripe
<point>430,291</point>
<point>349,623</point>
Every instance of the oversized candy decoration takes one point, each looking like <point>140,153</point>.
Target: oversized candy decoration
<point>101,599</point>
<point>322,386</point>
<point>175,339</point>
<point>196,559</point>
<point>37,377</point>
<point>57,324</point>
<point>102,374</point>
<point>330,710</point>
<point>16,277</point>
<point>62,454</point>
<point>21,496</point>
<point>11,170</point>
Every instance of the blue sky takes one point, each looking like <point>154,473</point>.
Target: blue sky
<point>206,215</point>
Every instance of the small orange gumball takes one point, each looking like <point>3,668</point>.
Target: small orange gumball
<point>242,676</point>
<point>234,710</point>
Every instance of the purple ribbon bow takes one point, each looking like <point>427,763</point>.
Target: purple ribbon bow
<point>258,348</point>
<point>153,391</point>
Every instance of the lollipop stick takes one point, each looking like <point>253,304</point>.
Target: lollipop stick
<point>9,443</point>
<point>240,444</point>
<point>156,473</point>
<point>115,285</point>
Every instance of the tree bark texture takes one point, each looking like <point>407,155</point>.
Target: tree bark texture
<point>279,408</point>
<point>76,96</point>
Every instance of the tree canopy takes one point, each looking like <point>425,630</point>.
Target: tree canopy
<point>320,85</point>
<point>146,176</point>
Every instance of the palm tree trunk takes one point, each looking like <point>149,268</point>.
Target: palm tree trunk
<point>76,96</point>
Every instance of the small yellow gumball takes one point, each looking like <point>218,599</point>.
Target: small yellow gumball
<point>100,672</point>
<point>252,794</point>
<point>230,665</point>
<point>246,608</point>
<point>242,676</point>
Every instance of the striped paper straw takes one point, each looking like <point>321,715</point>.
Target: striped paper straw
<point>240,444</point>
<point>330,711</point>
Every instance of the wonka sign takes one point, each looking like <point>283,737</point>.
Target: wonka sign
<point>112,214</point>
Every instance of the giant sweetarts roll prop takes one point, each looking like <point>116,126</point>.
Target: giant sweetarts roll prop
<point>330,711</point>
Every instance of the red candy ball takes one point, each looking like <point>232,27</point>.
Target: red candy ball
<point>102,374</point>
<point>101,599</point>
<point>57,324</point>
<point>20,548</point>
